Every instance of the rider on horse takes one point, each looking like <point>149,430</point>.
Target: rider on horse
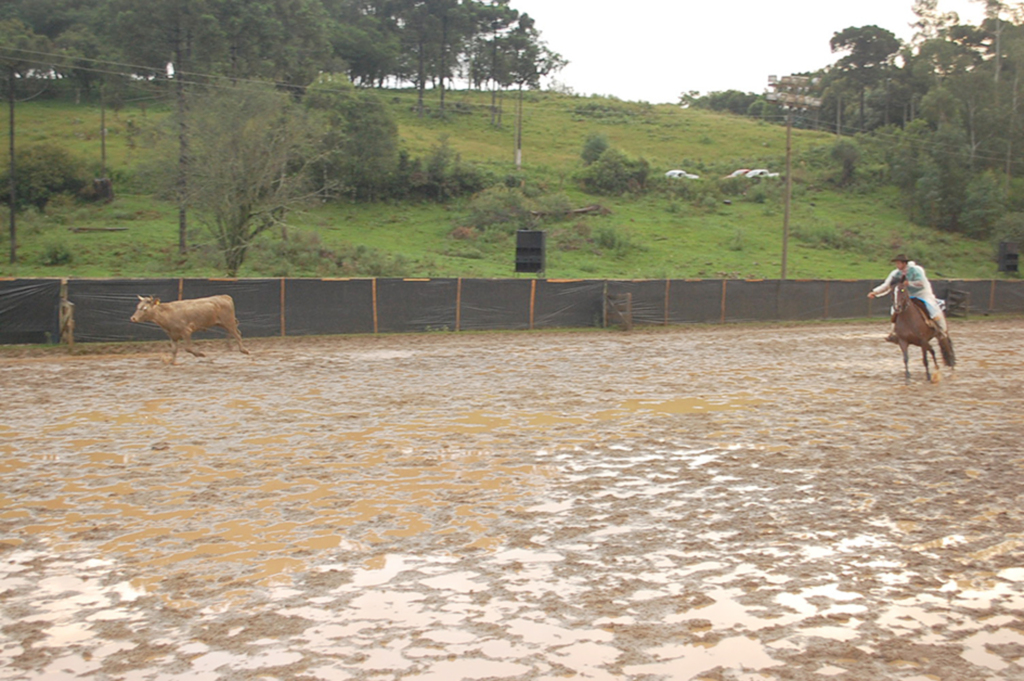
<point>918,287</point>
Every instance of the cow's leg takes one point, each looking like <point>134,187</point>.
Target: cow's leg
<point>174,350</point>
<point>187,337</point>
<point>232,328</point>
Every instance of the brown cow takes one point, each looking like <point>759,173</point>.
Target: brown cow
<point>181,318</point>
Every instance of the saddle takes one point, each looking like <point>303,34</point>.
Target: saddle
<point>924,309</point>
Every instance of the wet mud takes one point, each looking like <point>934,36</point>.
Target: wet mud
<point>723,504</point>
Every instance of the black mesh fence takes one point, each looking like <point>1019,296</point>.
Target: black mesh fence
<point>30,308</point>
<point>103,307</point>
<point>695,301</point>
<point>29,311</point>
<point>409,305</point>
<point>568,303</point>
<point>492,304</point>
<point>314,307</point>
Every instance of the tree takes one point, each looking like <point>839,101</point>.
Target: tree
<point>489,63</point>
<point>529,61</point>
<point>366,41</point>
<point>930,23</point>
<point>870,49</point>
<point>251,151</point>
<point>187,35</point>
<point>360,147</point>
<point>22,55</point>
<point>847,155</point>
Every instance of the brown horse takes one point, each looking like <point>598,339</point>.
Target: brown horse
<point>913,327</point>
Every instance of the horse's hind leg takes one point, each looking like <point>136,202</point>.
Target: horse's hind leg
<point>924,358</point>
<point>938,375</point>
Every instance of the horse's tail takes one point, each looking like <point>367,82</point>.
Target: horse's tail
<point>946,346</point>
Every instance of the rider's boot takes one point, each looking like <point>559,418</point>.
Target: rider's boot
<point>892,337</point>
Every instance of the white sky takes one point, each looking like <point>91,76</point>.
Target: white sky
<point>655,50</point>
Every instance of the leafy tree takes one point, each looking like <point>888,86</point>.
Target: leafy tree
<point>489,52</point>
<point>366,40</point>
<point>360,147</point>
<point>529,61</point>
<point>983,206</point>
<point>251,152</point>
<point>931,23</point>
<point>732,101</point>
<point>939,191</point>
<point>847,155</point>
<point>52,18</point>
<point>299,46</point>
<point>869,50</point>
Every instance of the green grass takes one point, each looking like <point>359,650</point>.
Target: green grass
<point>665,233</point>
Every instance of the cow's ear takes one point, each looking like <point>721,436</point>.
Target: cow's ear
<point>156,301</point>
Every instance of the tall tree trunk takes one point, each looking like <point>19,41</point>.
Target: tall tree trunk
<point>863,96</point>
<point>13,184</point>
<point>444,57</point>
<point>421,77</point>
<point>519,129</point>
<point>1011,131</point>
<point>103,133</point>
<point>183,148</point>
<point>839,116</point>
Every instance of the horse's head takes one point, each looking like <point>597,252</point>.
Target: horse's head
<point>900,295</point>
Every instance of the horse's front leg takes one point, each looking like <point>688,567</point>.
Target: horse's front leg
<point>906,361</point>
<point>924,358</point>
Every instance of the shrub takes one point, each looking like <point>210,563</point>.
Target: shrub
<point>43,171</point>
<point>501,208</point>
<point>56,253</point>
<point>614,174</point>
<point>609,239</point>
<point>595,145</point>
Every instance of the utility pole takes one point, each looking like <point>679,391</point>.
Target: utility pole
<point>791,93</point>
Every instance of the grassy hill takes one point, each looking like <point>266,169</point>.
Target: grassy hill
<point>677,229</point>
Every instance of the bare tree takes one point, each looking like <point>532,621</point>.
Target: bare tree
<point>251,149</point>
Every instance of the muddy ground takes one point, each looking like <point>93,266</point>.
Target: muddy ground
<point>723,503</point>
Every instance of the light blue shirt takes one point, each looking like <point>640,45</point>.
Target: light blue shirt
<point>918,287</point>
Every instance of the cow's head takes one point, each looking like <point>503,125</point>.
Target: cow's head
<point>144,308</point>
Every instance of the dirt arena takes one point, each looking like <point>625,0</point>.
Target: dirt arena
<point>716,503</point>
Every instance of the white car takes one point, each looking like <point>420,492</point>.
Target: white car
<point>761,172</point>
<point>739,173</point>
<point>683,174</point>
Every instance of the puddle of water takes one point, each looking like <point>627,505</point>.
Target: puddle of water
<point>686,661</point>
<point>976,649</point>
